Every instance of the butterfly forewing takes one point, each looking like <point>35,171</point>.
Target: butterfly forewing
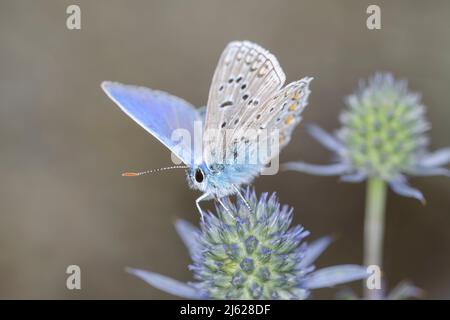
<point>246,76</point>
<point>159,113</point>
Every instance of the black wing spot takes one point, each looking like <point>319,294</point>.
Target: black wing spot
<point>245,96</point>
<point>226,104</point>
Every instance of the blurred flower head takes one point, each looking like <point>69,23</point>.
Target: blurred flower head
<point>383,135</point>
<point>242,254</point>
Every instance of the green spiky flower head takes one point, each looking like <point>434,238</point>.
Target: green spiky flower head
<point>251,255</point>
<point>383,127</point>
<point>383,135</point>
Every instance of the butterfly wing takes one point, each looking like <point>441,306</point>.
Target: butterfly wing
<point>246,76</point>
<point>270,128</point>
<point>157,112</point>
<point>278,117</point>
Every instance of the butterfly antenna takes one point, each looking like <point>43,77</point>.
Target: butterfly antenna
<point>136,174</point>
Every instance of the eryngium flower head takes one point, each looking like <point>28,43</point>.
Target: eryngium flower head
<point>383,135</point>
<point>242,254</point>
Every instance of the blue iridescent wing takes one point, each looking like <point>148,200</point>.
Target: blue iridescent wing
<point>159,113</point>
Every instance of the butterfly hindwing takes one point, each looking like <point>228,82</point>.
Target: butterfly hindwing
<point>157,112</point>
<point>276,119</point>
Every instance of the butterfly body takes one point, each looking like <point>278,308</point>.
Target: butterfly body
<point>248,110</point>
<point>219,180</point>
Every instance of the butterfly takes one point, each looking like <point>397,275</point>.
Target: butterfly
<point>247,108</point>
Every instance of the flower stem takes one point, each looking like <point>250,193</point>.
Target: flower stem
<point>374,229</point>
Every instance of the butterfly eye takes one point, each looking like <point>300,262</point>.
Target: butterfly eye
<point>199,176</point>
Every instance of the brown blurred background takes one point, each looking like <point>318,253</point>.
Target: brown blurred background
<point>63,143</point>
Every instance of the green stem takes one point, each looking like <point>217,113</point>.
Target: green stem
<point>374,229</point>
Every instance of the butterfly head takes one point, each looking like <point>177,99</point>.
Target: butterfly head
<point>198,177</point>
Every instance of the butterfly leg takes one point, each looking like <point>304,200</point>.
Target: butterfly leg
<point>242,198</point>
<point>226,209</point>
<point>197,203</point>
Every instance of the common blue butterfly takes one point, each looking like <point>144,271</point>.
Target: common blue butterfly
<point>247,107</point>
